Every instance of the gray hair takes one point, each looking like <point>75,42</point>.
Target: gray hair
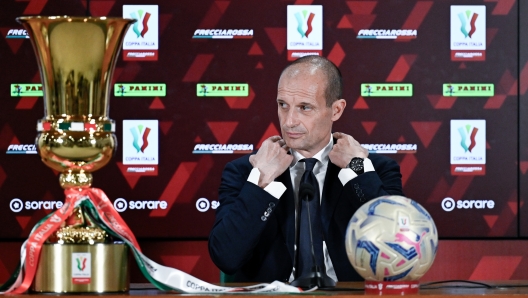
<point>334,81</point>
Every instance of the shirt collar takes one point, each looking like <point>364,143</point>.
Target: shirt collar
<point>321,156</point>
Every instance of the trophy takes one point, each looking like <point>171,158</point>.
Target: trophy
<point>76,58</point>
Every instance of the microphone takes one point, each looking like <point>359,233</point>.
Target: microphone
<point>317,276</point>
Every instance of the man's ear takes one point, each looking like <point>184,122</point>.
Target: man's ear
<point>338,107</point>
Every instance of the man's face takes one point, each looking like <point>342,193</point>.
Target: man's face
<point>305,120</point>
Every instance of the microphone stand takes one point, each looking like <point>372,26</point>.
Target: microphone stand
<point>317,277</point>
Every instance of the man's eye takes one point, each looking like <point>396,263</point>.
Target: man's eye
<point>306,108</point>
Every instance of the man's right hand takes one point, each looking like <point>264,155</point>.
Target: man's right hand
<point>272,159</point>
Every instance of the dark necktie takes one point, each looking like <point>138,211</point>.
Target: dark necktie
<point>314,207</point>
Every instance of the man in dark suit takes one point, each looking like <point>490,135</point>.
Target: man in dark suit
<point>254,234</point>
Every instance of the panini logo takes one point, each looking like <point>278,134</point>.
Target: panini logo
<point>474,90</point>
<point>223,33</point>
<point>387,34</point>
<point>390,148</point>
<point>17,33</point>
<point>22,149</point>
<point>386,90</point>
<point>219,90</point>
<point>223,148</point>
<point>139,90</point>
<point>23,90</point>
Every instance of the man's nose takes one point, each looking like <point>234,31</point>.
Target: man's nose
<point>292,118</point>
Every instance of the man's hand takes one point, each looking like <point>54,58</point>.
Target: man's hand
<point>272,159</point>
<point>345,149</point>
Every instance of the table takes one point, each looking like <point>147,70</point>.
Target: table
<point>343,289</point>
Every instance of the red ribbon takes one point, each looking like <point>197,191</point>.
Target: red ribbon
<point>36,239</point>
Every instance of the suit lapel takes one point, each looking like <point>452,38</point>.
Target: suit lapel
<point>287,212</point>
<point>331,192</point>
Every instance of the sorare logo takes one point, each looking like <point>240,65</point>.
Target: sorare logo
<point>304,19</point>
<point>468,17</point>
<point>140,132</point>
<point>468,132</point>
<point>142,17</point>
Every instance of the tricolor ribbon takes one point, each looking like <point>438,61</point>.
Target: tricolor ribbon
<point>101,210</point>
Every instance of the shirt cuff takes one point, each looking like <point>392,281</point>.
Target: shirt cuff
<point>275,188</point>
<point>347,174</point>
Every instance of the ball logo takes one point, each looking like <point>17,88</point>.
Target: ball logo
<point>142,17</point>
<point>403,222</point>
<point>302,19</point>
<point>464,131</point>
<point>136,132</point>
<point>464,17</point>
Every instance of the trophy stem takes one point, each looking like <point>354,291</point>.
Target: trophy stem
<point>75,179</point>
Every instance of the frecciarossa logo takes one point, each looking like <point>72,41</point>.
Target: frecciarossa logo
<point>22,149</point>
<point>223,148</point>
<point>223,33</point>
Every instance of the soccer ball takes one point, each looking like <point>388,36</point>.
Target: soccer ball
<point>391,238</point>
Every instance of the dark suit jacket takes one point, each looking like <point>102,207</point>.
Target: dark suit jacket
<point>246,243</point>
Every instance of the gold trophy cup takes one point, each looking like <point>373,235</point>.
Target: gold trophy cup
<point>76,58</point>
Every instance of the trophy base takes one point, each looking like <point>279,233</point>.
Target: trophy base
<point>82,268</point>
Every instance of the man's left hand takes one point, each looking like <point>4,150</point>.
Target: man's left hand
<point>345,149</point>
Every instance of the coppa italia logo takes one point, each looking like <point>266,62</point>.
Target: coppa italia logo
<point>466,131</point>
<point>464,17</point>
<point>468,32</point>
<point>136,132</point>
<point>304,20</point>
<point>141,40</point>
<point>142,17</point>
<point>81,263</point>
<point>468,147</point>
<point>81,269</point>
<point>140,147</point>
<point>304,30</point>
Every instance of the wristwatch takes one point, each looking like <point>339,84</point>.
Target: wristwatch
<point>356,164</point>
